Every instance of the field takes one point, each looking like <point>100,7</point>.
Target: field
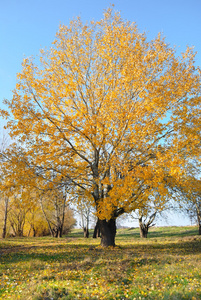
<point>166,265</point>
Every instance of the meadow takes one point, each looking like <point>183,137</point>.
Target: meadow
<point>166,265</point>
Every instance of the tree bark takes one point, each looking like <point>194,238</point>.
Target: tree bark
<point>143,228</point>
<point>143,231</point>
<point>46,218</point>
<point>199,229</point>
<point>60,231</point>
<point>34,231</point>
<point>144,225</point>
<point>86,232</point>
<point>5,219</point>
<point>108,232</point>
<point>97,230</point>
<point>199,218</point>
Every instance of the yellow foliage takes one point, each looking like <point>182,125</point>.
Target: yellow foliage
<point>109,111</point>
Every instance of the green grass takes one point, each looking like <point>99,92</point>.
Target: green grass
<point>167,265</point>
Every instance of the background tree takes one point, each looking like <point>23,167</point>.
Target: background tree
<point>69,220</point>
<point>84,210</point>
<point>36,224</point>
<point>193,210</point>
<point>108,111</point>
<point>23,187</point>
<point>4,207</point>
<point>55,208</point>
<point>17,215</point>
<point>147,215</point>
<point>145,219</point>
<point>189,192</point>
<point>5,185</point>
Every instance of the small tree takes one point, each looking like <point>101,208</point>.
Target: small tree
<point>146,224</point>
<point>85,215</point>
<point>54,206</point>
<point>191,200</point>
<point>187,191</point>
<point>145,217</point>
<point>69,221</point>
<point>5,186</point>
<point>17,215</point>
<point>84,210</point>
<point>4,202</point>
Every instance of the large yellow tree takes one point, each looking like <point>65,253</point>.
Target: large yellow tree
<point>110,112</point>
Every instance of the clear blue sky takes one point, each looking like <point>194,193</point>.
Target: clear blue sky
<point>29,25</point>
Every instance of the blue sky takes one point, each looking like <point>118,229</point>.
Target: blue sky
<point>29,25</point>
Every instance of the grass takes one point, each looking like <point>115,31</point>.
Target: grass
<point>167,265</point>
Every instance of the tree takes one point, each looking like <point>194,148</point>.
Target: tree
<point>54,204</point>
<point>96,232</point>
<point>69,220</point>
<point>107,110</point>
<point>145,218</point>
<point>22,187</point>
<point>193,208</point>
<point>4,188</point>
<point>5,210</point>
<point>84,210</point>
<point>189,192</point>
<point>17,216</point>
<point>147,215</point>
<point>36,222</point>
<point>6,191</point>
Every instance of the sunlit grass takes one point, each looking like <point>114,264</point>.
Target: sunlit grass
<point>167,265</point>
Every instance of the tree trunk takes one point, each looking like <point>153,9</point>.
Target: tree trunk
<point>143,231</point>
<point>13,227</point>
<point>199,222</point>
<point>46,218</point>
<point>199,219</point>
<point>199,229</point>
<point>97,230</point>
<point>86,232</point>
<point>60,231</point>
<point>5,219</point>
<point>143,228</point>
<point>108,232</point>
<point>34,231</point>
<point>4,229</point>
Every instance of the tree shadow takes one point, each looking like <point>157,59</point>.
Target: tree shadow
<point>71,252</point>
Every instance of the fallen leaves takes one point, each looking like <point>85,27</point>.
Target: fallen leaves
<point>46,268</point>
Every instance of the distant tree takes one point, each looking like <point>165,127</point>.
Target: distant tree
<point>145,217</point>
<point>5,186</point>
<point>193,210</point>
<point>17,215</point>
<point>54,206</point>
<point>4,205</point>
<point>85,211</point>
<point>146,223</point>
<point>35,222</point>
<point>190,199</point>
<point>69,220</point>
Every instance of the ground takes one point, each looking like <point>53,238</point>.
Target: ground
<point>166,265</point>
